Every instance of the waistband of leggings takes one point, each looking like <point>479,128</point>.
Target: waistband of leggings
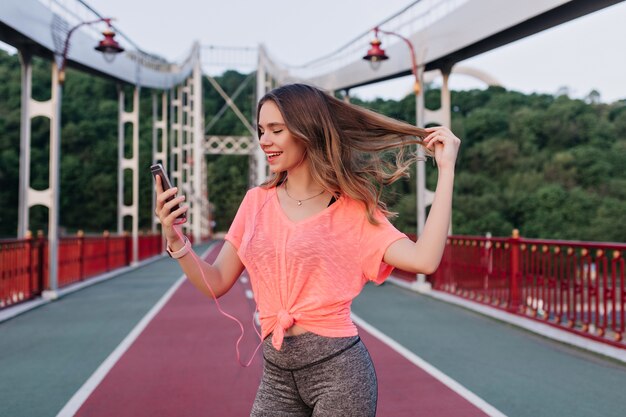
<point>317,362</point>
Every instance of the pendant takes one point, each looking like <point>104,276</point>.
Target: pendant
<point>299,202</point>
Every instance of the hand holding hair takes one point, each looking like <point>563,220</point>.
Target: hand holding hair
<point>445,145</point>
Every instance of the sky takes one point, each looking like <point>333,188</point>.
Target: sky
<point>582,55</point>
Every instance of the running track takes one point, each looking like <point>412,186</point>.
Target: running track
<point>184,364</point>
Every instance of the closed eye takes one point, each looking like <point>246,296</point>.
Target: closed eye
<point>261,133</point>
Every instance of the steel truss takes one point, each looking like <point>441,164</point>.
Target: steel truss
<point>187,164</point>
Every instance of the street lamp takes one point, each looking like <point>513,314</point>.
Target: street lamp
<point>108,46</point>
<point>375,55</point>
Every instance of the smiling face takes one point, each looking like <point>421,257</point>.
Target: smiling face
<point>283,151</point>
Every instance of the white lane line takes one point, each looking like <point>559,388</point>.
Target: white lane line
<point>77,400</point>
<point>436,373</point>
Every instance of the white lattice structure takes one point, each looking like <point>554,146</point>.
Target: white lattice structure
<point>229,145</point>
<point>159,138</point>
<point>187,161</point>
<point>130,163</point>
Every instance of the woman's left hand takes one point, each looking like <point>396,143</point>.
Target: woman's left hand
<point>445,145</point>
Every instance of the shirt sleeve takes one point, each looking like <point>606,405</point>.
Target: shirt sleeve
<point>375,240</point>
<point>238,226</point>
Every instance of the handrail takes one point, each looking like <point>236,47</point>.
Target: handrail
<point>573,285</point>
<point>24,262</point>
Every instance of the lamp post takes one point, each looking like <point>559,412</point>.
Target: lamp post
<point>375,55</point>
<point>110,47</point>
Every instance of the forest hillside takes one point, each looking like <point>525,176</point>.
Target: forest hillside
<point>549,165</point>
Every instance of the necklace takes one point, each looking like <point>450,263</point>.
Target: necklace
<point>304,199</point>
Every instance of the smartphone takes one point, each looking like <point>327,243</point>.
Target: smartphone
<point>157,169</point>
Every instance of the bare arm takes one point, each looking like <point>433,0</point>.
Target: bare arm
<point>424,255</point>
<point>222,274</point>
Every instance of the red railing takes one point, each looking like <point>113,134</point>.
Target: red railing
<point>150,245</point>
<point>21,270</point>
<point>24,262</point>
<point>577,286</point>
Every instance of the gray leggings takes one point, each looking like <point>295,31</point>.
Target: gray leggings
<point>316,376</point>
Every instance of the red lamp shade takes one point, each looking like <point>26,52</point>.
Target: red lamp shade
<point>109,46</point>
<point>375,53</point>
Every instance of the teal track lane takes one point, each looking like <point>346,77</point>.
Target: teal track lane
<point>48,353</point>
<point>518,372</point>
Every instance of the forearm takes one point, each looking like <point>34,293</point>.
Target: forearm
<point>194,268</point>
<point>431,244</point>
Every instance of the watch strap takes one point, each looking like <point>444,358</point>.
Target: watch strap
<point>180,252</point>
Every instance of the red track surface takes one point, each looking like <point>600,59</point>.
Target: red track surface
<point>184,364</point>
<point>405,390</point>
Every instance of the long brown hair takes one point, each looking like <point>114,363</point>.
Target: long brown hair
<point>348,147</point>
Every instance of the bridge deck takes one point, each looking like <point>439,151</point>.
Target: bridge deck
<point>182,361</point>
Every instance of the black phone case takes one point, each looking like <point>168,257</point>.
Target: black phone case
<point>157,169</point>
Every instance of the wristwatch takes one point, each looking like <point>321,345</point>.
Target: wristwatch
<point>180,252</point>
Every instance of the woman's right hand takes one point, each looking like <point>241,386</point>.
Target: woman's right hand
<point>167,217</point>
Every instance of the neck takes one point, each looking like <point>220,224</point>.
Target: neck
<point>301,181</point>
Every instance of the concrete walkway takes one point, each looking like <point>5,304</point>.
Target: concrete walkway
<point>432,359</point>
<point>518,372</point>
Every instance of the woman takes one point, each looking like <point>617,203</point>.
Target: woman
<point>312,237</point>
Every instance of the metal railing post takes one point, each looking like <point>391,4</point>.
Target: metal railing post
<point>31,279</point>
<point>107,250</point>
<point>41,254</point>
<point>514,302</point>
<point>81,250</point>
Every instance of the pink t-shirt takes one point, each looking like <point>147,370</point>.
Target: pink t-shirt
<point>308,272</point>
